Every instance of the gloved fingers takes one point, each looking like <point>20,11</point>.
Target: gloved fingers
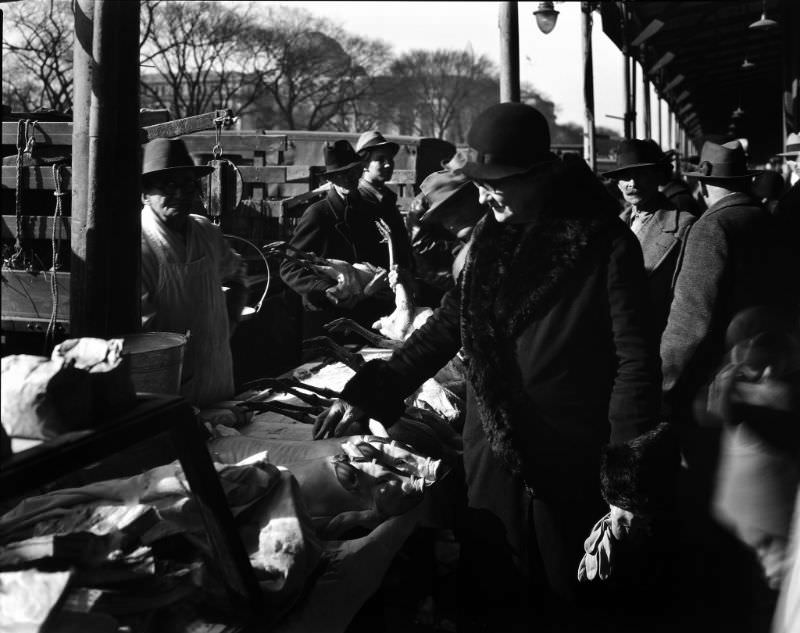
<point>604,557</point>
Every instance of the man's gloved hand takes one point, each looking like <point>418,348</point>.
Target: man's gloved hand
<point>340,419</point>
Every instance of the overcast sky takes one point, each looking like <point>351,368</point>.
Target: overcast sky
<point>552,63</point>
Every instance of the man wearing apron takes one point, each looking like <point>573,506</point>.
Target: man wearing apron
<point>185,263</point>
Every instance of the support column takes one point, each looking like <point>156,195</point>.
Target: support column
<point>105,273</point>
<point>648,130</point>
<point>509,52</point>
<point>626,73</point>
<point>589,151</point>
<point>660,124</point>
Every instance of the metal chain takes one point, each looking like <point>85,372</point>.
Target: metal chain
<point>217,149</point>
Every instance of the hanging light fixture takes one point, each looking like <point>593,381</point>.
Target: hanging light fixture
<point>546,17</point>
<point>747,63</point>
<point>764,24</point>
<point>737,113</point>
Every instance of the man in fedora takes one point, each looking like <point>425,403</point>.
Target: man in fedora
<point>337,227</point>
<point>658,225</point>
<point>185,263</point>
<point>675,188</point>
<point>377,199</point>
<point>726,268</point>
<point>551,312</point>
<point>790,201</point>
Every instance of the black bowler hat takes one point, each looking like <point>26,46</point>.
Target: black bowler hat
<point>722,162</point>
<point>511,139</point>
<point>635,153</point>
<point>164,156</point>
<point>340,157</point>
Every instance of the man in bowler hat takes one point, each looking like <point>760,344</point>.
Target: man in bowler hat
<point>658,225</point>
<point>185,263</point>
<point>551,312</point>
<point>337,227</point>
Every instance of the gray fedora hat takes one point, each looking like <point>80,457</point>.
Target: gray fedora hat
<point>164,156</point>
<point>722,162</point>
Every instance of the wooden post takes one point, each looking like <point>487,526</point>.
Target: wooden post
<point>509,52</point>
<point>106,255</point>
<point>588,87</point>
<point>82,215</point>
<point>634,120</point>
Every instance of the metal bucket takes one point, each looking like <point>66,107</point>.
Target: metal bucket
<point>155,360</point>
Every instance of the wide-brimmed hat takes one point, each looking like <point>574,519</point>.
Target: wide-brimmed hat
<point>636,153</point>
<point>722,162</point>
<point>792,145</point>
<point>340,157</point>
<point>374,140</point>
<point>511,139</point>
<point>443,186</point>
<point>168,155</point>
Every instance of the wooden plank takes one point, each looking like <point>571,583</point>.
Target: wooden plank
<point>26,296</point>
<point>233,143</point>
<point>35,177</point>
<point>36,227</point>
<point>180,127</point>
<point>269,174</point>
<point>46,133</point>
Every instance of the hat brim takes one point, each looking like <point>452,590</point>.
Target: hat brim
<point>434,210</point>
<point>611,172</point>
<point>701,176</point>
<point>482,171</point>
<point>199,170</point>
<point>794,153</point>
<point>341,170</point>
<point>388,144</point>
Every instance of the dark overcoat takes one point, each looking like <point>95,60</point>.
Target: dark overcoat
<point>663,240</point>
<point>336,229</point>
<point>552,318</point>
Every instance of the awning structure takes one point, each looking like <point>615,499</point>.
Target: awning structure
<point>720,78</point>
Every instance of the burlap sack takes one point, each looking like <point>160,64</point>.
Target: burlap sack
<point>42,397</point>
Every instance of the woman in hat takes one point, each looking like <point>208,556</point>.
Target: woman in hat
<point>551,312</point>
<point>659,226</point>
<point>185,263</point>
<point>337,227</point>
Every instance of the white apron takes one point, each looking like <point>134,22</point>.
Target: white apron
<point>188,296</point>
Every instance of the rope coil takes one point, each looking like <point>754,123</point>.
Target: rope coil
<point>59,193</point>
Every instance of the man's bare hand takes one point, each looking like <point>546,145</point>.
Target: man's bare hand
<point>341,418</point>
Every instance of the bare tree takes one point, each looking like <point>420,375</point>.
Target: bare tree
<point>37,56</point>
<point>198,56</point>
<point>320,71</point>
<point>439,84</point>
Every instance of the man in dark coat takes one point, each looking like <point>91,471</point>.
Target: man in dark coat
<point>551,313</point>
<point>377,198</point>
<point>337,227</point>
<point>659,226</point>
<point>727,266</point>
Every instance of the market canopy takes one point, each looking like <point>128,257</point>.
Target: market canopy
<point>706,43</point>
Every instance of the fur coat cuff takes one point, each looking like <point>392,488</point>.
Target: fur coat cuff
<point>376,389</point>
<point>641,475</point>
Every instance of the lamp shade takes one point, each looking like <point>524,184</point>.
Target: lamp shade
<point>546,17</point>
